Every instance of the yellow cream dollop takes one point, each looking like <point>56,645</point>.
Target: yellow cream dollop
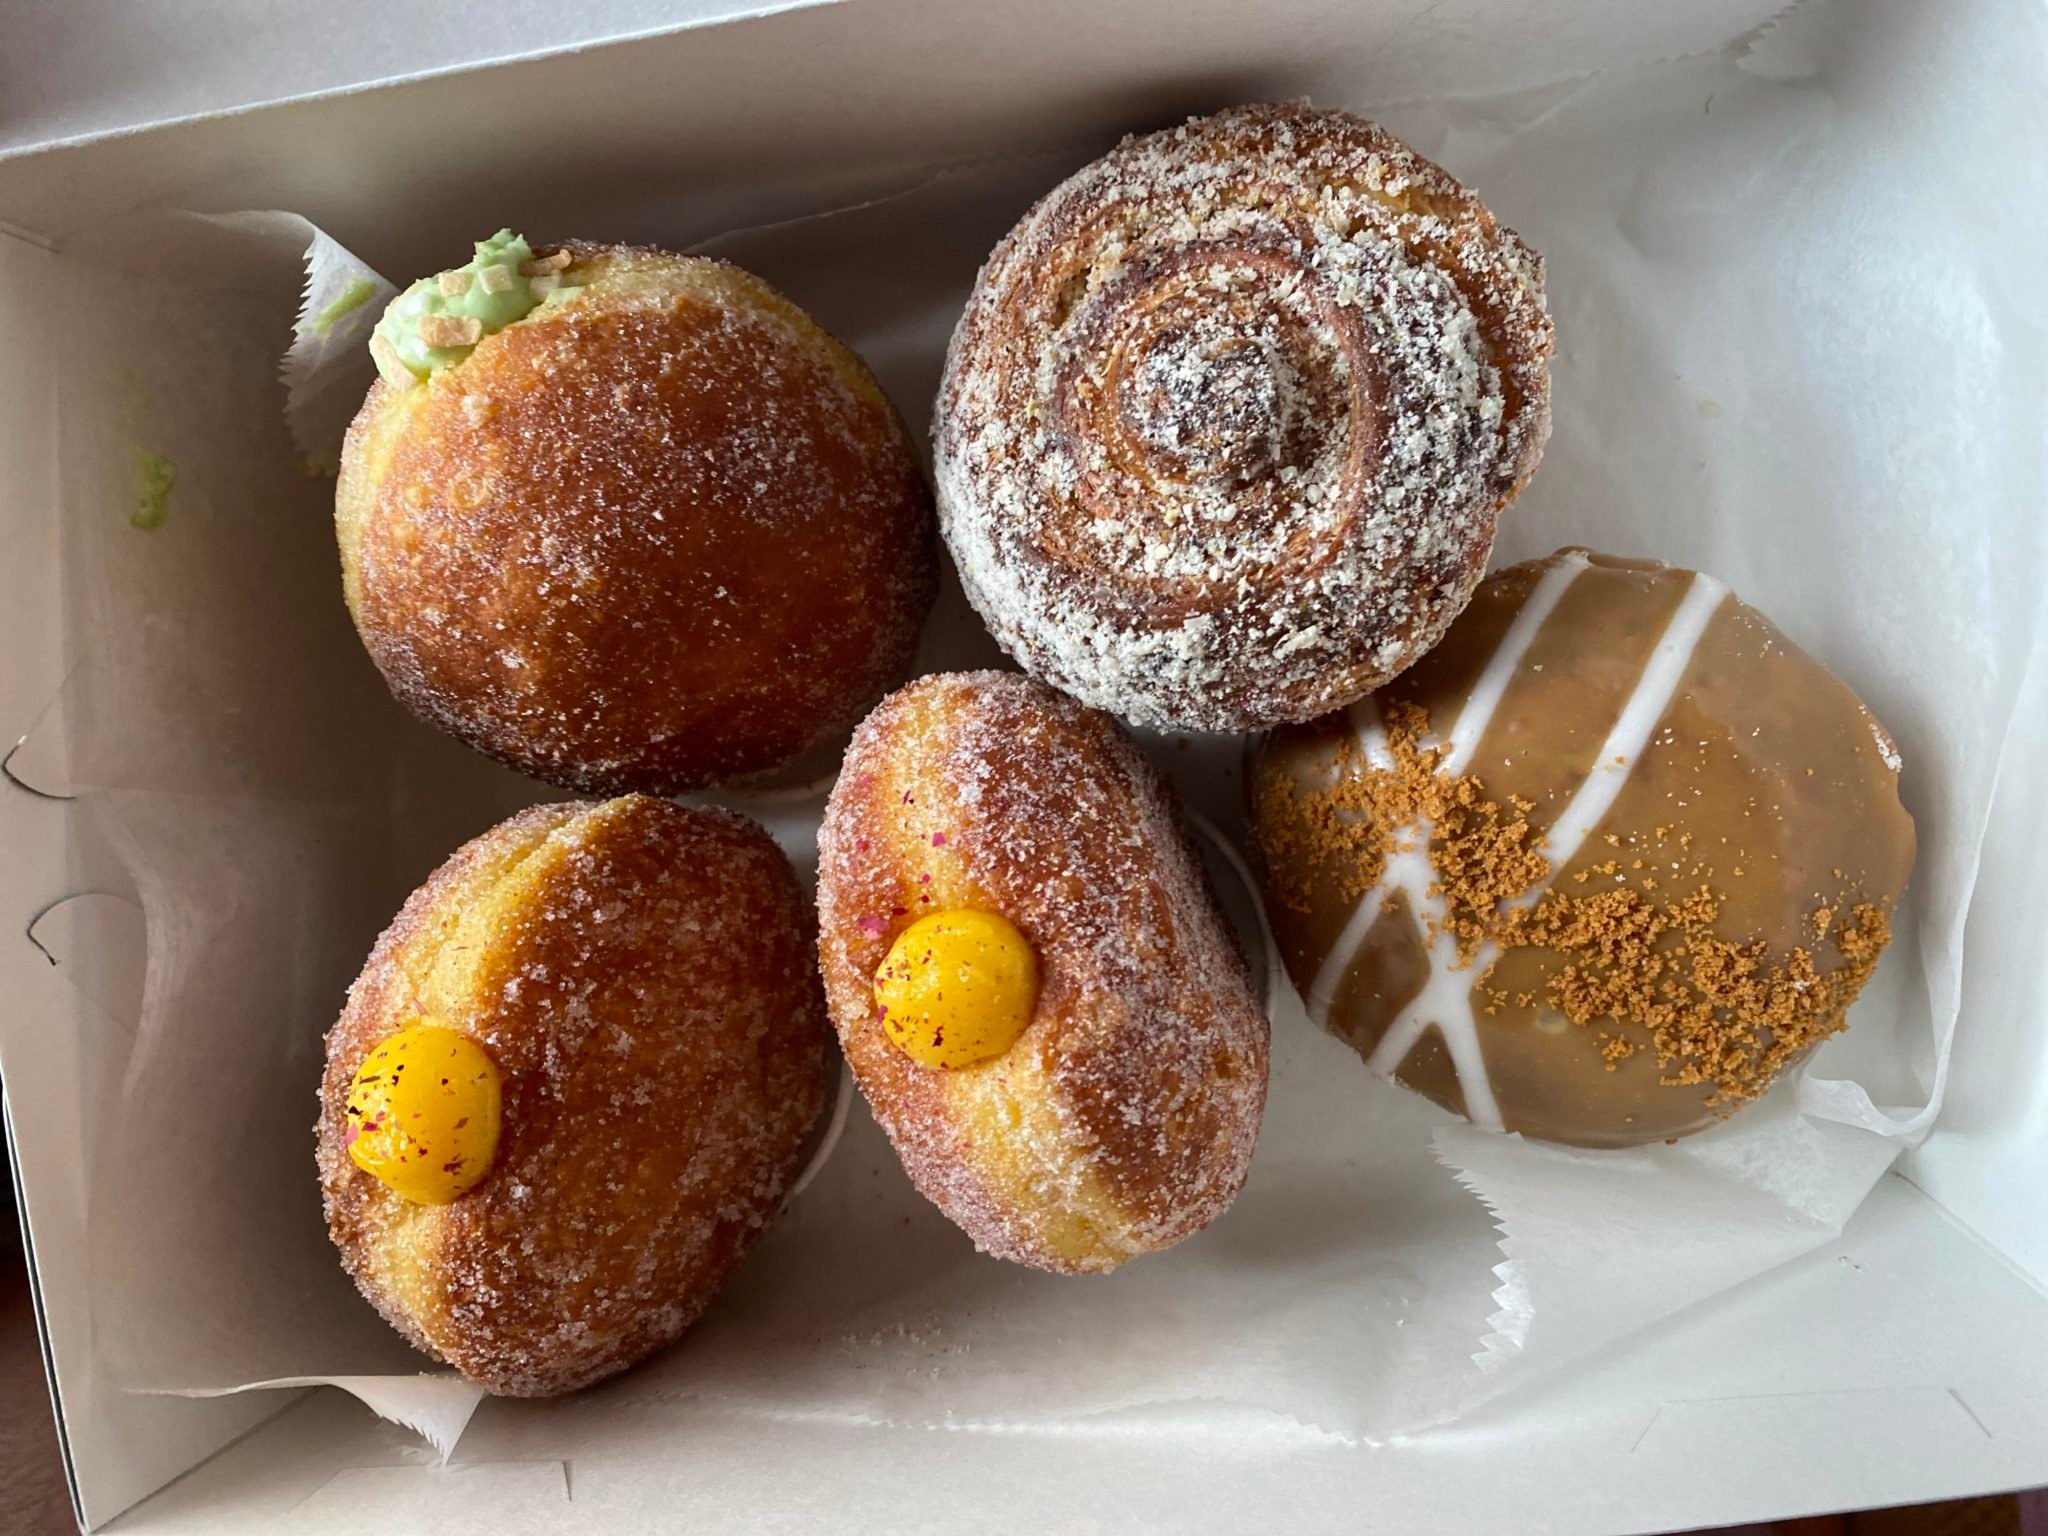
<point>957,988</point>
<point>423,1113</point>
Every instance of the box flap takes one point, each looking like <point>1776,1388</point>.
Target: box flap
<point>90,68</point>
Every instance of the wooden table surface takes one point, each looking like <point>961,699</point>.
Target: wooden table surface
<point>33,1499</point>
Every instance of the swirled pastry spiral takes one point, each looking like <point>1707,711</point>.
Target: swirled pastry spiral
<point>1231,413</point>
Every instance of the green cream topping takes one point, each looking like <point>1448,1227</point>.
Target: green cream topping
<point>421,328</point>
<point>154,477</point>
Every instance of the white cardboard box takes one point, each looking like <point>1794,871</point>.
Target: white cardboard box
<point>181,679</point>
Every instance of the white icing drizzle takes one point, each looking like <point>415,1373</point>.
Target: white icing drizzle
<point>1446,997</point>
<point>1507,657</point>
<point>1322,991</point>
<point>1631,733</point>
<point>1466,730</point>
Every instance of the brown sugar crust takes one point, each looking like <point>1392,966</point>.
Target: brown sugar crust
<point>1712,928</point>
<point>1123,1119</point>
<point>1231,414</point>
<point>641,974</point>
<point>661,533</point>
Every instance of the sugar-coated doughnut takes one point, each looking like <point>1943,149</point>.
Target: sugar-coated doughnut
<point>1602,866</point>
<point>571,1087</point>
<point>1231,413</point>
<point>651,530</point>
<point>1030,977</point>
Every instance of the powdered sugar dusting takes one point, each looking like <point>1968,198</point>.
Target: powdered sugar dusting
<point>1230,416</point>
<point>1133,1100</point>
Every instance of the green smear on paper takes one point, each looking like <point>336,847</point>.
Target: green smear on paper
<point>351,299</point>
<point>154,477</point>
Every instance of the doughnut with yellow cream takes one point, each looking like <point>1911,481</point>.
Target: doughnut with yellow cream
<point>571,1087</point>
<point>1030,977</point>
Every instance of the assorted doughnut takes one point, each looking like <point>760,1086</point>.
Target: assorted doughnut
<point>571,1087</point>
<point>1231,413</point>
<point>654,531</point>
<point>1599,868</point>
<point>1030,977</point>
<point>1587,850</point>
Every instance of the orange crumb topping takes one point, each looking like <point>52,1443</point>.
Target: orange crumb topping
<point>1718,1010</point>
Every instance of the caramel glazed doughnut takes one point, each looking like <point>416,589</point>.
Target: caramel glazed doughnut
<point>650,528</point>
<point>1605,863</point>
<point>1228,421</point>
<point>1115,1112</point>
<point>571,1087</point>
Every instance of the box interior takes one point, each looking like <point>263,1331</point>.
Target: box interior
<point>168,678</point>
<point>1788,1397</point>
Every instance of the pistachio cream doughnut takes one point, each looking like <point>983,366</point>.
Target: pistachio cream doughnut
<point>1230,416</point>
<point>1030,977</point>
<point>1600,867</point>
<point>571,1086</point>
<point>627,520</point>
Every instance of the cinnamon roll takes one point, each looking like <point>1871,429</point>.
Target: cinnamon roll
<point>1231,413</point>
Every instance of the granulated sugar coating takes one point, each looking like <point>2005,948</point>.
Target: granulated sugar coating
<point>1123,1119</point>
<point>641,976</point>
<point>662,532</point>
<point>1229,419</point>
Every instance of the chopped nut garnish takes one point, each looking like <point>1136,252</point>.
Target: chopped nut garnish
<point>544,285</point>
<point>454,284</point>
<point>1482,855</point>
<point>451,330</point>
<point>496,278</point>
<point>1728,1012</point>
<point>390,364</point>
<point>554,261</point>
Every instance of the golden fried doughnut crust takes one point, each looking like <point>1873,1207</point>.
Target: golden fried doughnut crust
<point>1123,1119</point>
<point>1231,414</point>
<point>641,975</point>
<point>661,533</point>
